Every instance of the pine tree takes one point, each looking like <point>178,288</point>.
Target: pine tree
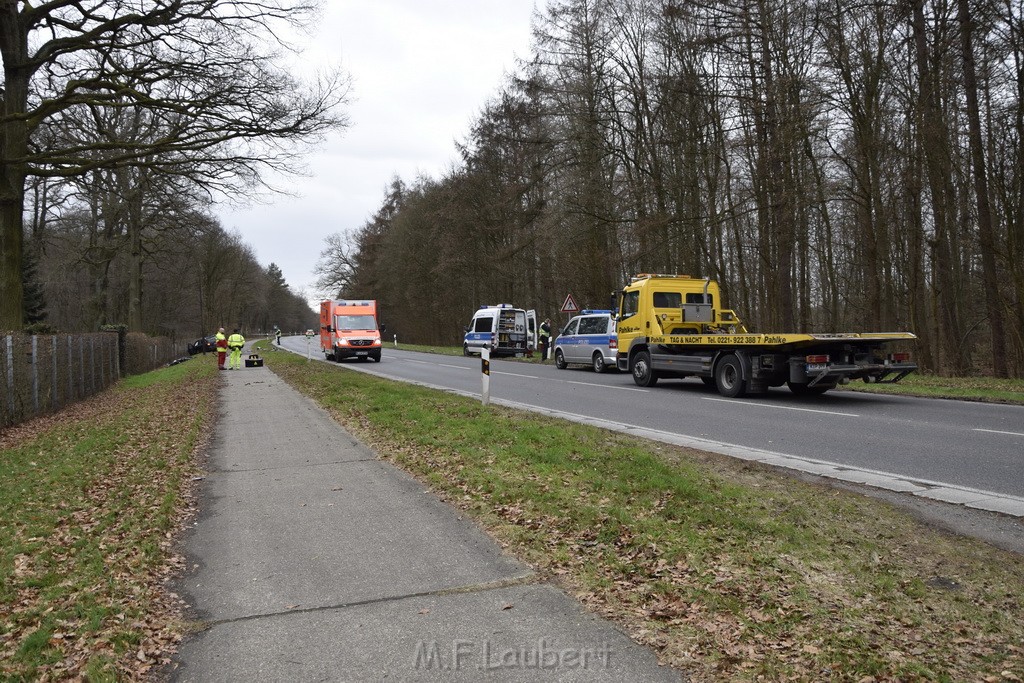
<point>33,297</point>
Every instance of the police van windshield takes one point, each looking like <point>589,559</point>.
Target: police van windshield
<point>355,322</point>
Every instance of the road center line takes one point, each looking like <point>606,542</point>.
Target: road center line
<point>446,365</point>
<point>764,405</point>
<point>443,365</point>
<point>567,381</point>
<point>996,431</point>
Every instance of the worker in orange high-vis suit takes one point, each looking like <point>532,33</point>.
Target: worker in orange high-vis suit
<point>235,342</point>
<point>222,349</point>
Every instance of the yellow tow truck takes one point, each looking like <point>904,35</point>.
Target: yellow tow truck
<point>673,326</point>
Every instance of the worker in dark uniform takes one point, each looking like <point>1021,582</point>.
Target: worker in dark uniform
<point>545,338</point>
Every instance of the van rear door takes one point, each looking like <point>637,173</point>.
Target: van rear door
<point>531,330</point>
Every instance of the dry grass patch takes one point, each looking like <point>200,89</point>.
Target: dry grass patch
<point>90,504</point>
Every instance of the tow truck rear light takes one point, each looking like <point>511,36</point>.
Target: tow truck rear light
<point>899,357</point>
<point>816,359</point>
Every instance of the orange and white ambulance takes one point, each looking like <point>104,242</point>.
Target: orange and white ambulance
<point>349,329</point>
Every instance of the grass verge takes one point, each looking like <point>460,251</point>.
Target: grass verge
<point>986,389</point>
<point>90,501</point>
<point>729,570</point>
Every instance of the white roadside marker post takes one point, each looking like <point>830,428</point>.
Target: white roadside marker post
<point>485,369</point>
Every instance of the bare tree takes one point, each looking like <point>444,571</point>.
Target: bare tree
<point>219,108</point>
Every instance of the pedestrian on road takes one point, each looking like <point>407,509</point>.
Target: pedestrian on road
<point>545,338</point>
<point>222,349</point>
<point>235,342</point>
<point>279,336</point>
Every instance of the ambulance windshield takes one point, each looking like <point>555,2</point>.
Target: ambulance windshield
<point>355,322</point>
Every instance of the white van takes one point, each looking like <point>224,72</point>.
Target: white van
<point>502,328</point>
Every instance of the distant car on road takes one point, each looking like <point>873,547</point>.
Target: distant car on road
<point>203,345</point>
<point>309,333</point>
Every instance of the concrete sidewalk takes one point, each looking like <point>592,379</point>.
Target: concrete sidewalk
<point>312,560</point>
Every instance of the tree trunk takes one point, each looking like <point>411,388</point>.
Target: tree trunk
<point>986,236</point>
<point>135,254</point>
<point>13,149</point>
<point>937,157</point>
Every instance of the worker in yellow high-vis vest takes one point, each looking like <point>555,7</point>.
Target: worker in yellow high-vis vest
<point>222,349</point>
<point>235,342</point>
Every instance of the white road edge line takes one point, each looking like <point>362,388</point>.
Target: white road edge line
<point>996,431</point>
<point>889,481</point>
<point>765,405</point>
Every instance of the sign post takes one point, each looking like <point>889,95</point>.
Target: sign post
<point>485,369</point>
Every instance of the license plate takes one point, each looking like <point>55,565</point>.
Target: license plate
<point>362,353</point>
<point>816,367</point>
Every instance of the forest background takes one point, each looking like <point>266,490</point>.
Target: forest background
<point>835,166</point>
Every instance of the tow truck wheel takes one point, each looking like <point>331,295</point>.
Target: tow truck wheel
<point>560,360</point>
<point>599,365</point>
<point>643,374</point>
<point>729,377</point>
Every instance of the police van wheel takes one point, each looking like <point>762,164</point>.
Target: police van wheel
<point>729,377</point>
<point>560,360</point>
<point>598,363</point>
<point>465,350</point>
<point>643,374</point>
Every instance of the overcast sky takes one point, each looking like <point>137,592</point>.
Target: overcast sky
<point>422,70</point>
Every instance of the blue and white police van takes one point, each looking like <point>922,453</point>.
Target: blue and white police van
<point>503,328</point>
<point>589,338</point>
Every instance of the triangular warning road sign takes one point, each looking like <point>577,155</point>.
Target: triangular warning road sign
<point>570,305</point>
